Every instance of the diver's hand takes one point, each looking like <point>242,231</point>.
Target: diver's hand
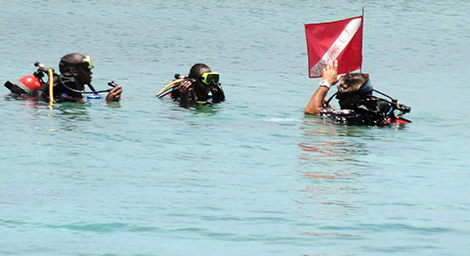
<point>114,94</point>
<point>330,73</point>
<point>184,88</point>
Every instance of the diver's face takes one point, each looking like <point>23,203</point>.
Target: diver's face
<point>84,75</point>
<point>202,87</point>
<point>342,87</point>
<point>346,97</point>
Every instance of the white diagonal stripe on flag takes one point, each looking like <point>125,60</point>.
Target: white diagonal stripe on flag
<point>337,47</point>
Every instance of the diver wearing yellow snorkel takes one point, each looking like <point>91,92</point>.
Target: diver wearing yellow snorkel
<point>200,87</point>
<point>69,85</point>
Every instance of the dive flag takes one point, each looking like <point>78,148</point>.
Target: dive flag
<point>338,40</point>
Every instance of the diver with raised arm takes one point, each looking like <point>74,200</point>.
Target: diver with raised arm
<point>358,105</point>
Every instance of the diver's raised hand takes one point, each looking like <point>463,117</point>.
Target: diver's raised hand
<point>330,73</point>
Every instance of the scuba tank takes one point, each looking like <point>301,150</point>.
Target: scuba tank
<point>28,85</point>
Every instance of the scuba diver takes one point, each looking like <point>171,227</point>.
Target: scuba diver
<point>358,105</point>
<point>75,72</point>
<point>200,87</point>
<point>69,85</point>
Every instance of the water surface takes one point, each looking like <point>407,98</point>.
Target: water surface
<point>250,176</point>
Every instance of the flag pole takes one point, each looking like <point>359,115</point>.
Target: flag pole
<point>362,44</point>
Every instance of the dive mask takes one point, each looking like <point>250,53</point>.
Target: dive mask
<point>87,63</point>
<point>210,78</point>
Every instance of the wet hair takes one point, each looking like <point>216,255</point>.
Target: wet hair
<point>354,81</point>
<point>196,69</point>
<point>69,60</point>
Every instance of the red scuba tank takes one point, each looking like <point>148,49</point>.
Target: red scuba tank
<point>29,83</point>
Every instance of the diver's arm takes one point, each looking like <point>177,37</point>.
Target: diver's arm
<point>330,75</point>
<point>315,104</point>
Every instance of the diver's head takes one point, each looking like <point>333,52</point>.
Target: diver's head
<point>198,69</point>
<point>205,78</point>
<point>352,87</point>
<point>77,65</point>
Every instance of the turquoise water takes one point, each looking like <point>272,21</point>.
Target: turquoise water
<point>253,175</point>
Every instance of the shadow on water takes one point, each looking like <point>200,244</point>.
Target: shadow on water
<point>207,110</point>
<point>65,116</point>
<point>326,143</point>
<point>75,116</point>
<point>73,111</point>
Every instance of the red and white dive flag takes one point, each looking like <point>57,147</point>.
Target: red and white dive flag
<point>338,40</point>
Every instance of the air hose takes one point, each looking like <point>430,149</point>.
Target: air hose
<point>166,87</point>
<point>51,85</point>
